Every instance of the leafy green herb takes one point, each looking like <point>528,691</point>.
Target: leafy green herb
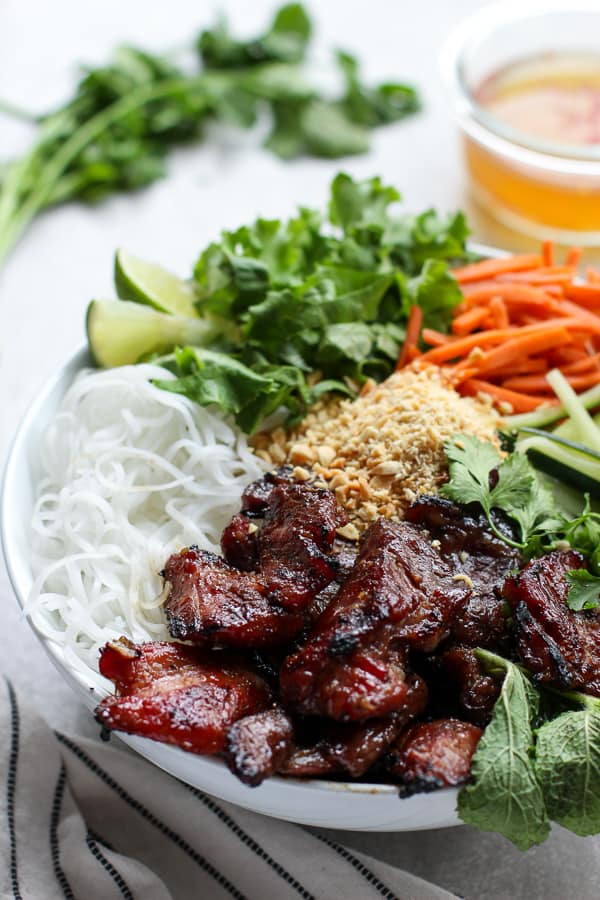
<point>584,591</point>
<point>315,295</point>
<point>567,763</point>
<point>250,394</point>
<point>504,794</point>
<point>286,299</point>
<point>511,486</point>
<point>370,107</point>
<point>538,760</point>
<point>285,41</point>
<point>124,118</point>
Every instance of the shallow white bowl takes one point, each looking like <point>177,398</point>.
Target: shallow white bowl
<point>331,804</point>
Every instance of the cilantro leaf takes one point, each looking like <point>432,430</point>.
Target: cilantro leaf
<point>517,492</point>
<point>249,392</point>
<point>374,106</point>
<point>208,377</point>
<point>514,487</point>
<point>284,41</point>
<point>584,590</point>
<point>415,239</point>
<point>436,292</point>
<point>356,203</point>
<point>470,462</point>
<point>504,793</point>
<point>124,117</point>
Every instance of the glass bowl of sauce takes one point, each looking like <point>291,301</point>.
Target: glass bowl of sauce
<point>524,80</point>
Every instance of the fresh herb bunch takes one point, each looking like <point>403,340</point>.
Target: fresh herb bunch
<point>510,490</point>
<point>328,294</point>
<point>115,133</point>
<point>538,760</point>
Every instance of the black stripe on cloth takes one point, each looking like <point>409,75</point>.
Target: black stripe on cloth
<point>382,889</point>
<point>11,787</point>
<point>250,842</point>
<point>100,840</point>
<point>108,866</point>
<point>54,846</point>
<point>145,813</point>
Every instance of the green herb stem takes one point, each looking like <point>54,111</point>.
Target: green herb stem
<point>57,165</point>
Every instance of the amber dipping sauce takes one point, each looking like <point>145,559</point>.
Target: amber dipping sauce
<point>549,104</point>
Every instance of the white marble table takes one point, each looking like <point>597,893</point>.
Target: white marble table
<point>66,258</point>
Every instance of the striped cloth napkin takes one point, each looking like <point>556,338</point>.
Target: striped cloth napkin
<point>85,820</point>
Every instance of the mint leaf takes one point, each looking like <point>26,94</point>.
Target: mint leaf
<point>568,769</point>
<point>470,462</point>
<point>584,591</point>
<point>504,794</point>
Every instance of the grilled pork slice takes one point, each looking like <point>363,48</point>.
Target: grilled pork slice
<point>292,547</point>
<point>274,577</point>
<point>556,644</point>
<point>465,676</point>
<point>258,745</point>
<point>178,694</point>
<point>347,749</point>
<point>401,594</point>
<point>430,755</point>
<point>215,605</point>
<point>466,539</point>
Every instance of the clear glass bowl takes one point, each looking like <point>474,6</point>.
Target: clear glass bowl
<point>548,190</point>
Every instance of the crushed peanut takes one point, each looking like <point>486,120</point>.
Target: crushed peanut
<point>379,452</point>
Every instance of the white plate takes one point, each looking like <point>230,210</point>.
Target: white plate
<point>360,807</point>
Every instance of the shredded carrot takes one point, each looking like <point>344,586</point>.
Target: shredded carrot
<point>574,256</point>
<point>551,275</point>
<point>518,403</point>
<point>434,338</point>
<point>535,384</point>
<point>548,253</point>
<point>499,313</point>
<point>593,275</point>
<point>523,344</point>
<point>527,366</point>
<point>489,268</point>
<point>520,317</point>
<point>470,320</point>
<point>413,330</point>
<point>508,291</point>
<point>587,295</point>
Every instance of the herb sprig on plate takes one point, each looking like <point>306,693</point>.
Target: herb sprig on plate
<point>278,301</point>
<point>125,117</point>
<point>539,758</point>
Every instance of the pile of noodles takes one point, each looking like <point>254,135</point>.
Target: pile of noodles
<point>130,473</point>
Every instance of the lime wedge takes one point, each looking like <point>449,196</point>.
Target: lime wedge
<point>145,282</point>
<point>120,334</point>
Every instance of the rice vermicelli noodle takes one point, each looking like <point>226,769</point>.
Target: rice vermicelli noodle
<point>130,474</point>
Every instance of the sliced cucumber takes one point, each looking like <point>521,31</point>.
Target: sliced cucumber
<point>144,282</point>
<point>564,472</point>
<point>120,334</point>
<point>547,415</point>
